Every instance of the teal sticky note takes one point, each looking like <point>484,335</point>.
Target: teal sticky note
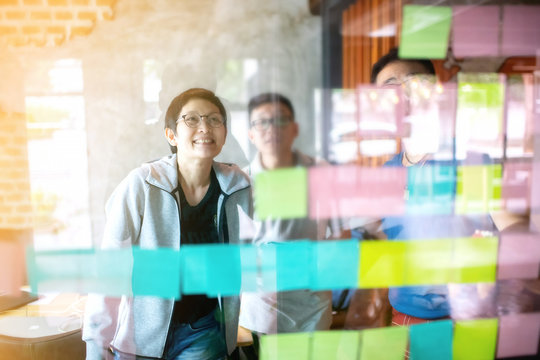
<point>478,189</point>
<point>294,346</point>
<point>475,259</point>
<point>430,189</point>
<point>224,269</point>
<point>156,272</point>
<point>281,193</point>
<point>107,272</point>
<point>267,254</point>
<point>293,264</point>
<point>431,340</point>
<point>249,266</point>
<point>335,264</point>
<point>194,269</point>
<point>386,343</point>
<point>335,345</point>
<point>425,32</point>
<point>475,339</point>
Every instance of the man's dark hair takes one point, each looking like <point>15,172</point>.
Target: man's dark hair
<point>266,98</point>
<point>173,111</point>
<point>392,56</point>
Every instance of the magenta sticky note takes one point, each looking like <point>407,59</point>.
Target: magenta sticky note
<point>12,267</point>
<point>520,30</point>
<point>475,31</point>
<point>349,190</point>
<point>518,335</point>
<point>516,187</point>
<point>519,256</point>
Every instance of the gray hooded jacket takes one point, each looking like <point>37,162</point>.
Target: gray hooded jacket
<point>143,211</point>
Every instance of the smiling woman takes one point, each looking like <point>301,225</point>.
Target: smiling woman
<point>184,198</point>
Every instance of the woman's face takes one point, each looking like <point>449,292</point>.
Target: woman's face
<point>201,142</point>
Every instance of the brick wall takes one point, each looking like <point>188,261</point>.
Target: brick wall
<point>50,22</point>
<point>15,199</point>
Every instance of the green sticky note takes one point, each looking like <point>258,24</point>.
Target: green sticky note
<point>428,262</point>
<point>381,263</point>
<point>478,189</point>
<point>156,272</point>
<point>386,343</point>
<point>294,346</point>
<point>281,193</point>
<point>475,339</point>
<point>475,259</point>
<point>480,90</point>
<point>425,32</point>
<point>338,345</point>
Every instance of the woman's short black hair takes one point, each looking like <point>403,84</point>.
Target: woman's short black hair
<point>392,56</point>
<point>173,111</point>
<point>270,97</point>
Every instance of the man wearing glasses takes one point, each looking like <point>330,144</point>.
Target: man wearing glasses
<point>272,131</point>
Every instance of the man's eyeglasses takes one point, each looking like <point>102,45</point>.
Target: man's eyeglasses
<point>193,119</point>
<point>278,121</point>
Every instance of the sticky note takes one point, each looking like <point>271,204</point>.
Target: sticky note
<point>281,193</point>
<point>250,272</point>
<point>381,263</point>
<point>386,343</point>
<point>478,189</point>
<point>380,111</point>
<point>428,262</point>
<point>293,263</point>
<point>520,31</point>
<point>519,256</point>
<point>516,187</point>
<point>518,335</point>
<point>212,269</point>
<point>475,31</point>
<point>335,265</point>
<point>267,255</point>
<point>430,189</point>
<point>425,32</point>
<point>107,272</point>
<point>348,190</point>
<point>335,345</point>
<point>12,267</point>
<point>156,272</point>
<point>431,340</point>
<point>475,259</point>
<point>475,339</point>
<point>293,346</point>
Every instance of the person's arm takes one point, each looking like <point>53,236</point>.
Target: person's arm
<point>124,215</point>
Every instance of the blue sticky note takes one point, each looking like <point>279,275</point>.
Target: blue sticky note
<point>293,264</point>
<point>431,340</point>
<point>156,272</point>
<point>268,267</point>
<point>224,269</point>
<point>335,264</point>
<point>430,189</point>
<point>193,267</point>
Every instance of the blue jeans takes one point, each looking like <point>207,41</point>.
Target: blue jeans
<point>202,340</point>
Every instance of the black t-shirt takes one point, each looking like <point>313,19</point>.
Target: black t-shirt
<point>198,225</point>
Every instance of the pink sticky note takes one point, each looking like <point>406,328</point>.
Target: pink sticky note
<point>519,256</point>
<point>341,191</point>
<point>475,31</point>
<point>12,267</point>
<point>380,111</point>
<point>518,335</point>
<point>520,30</point>
<point>516,187</point>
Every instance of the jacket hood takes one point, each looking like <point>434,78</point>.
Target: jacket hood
<point>163,174</point>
